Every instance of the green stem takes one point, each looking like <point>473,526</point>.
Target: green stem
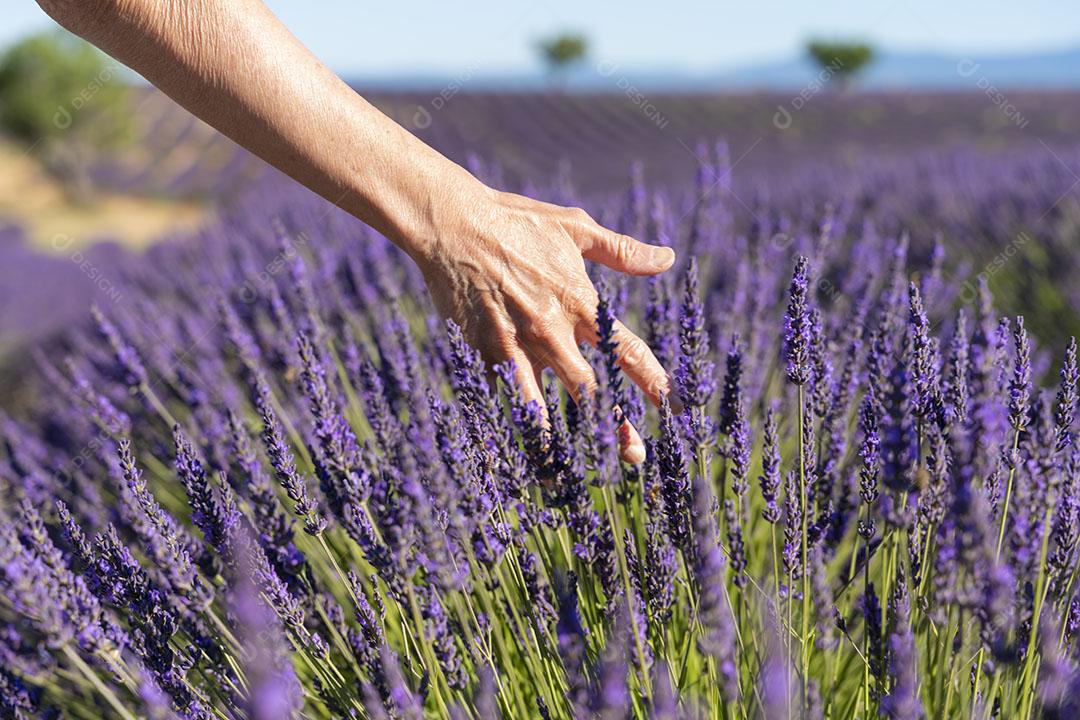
<point>434,670</point>
<point>804,633</point>
<point>639,648</point>
<point>106,692</point>
<point>1028,673</point>
<point>1008,497</point>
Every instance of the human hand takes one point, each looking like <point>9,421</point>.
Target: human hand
<point>510,271</point>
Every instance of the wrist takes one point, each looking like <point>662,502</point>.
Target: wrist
<point>440,204</point>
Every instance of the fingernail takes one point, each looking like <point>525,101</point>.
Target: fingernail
<point>662,257</point>
<point>631,447</point>
<point>634,454</point>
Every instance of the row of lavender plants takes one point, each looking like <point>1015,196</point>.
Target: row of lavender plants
<point>271,484</point>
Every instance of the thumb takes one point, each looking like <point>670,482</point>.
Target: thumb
<point>627,255</point>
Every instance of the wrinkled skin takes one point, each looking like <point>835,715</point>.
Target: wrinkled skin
<point>508,269</point>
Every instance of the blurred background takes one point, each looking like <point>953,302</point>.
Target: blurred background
<point>965,116</point>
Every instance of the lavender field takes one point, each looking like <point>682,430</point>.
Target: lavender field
<point>263,480</point>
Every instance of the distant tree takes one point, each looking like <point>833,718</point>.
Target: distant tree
<point>562,51</point>
<point>65,101</point>
<point>843,60</point>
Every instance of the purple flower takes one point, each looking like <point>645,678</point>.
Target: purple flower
<point>674,480</point>
<point>274,690</point>
<point>776,680</point>
<point>543,610</point>
<point>902,699</point>
<point>870,472</point>
<point>875,641</point>
<point>769,480</point>
<point>104,413</point>
<point>18,699</point>
<point>167,544</point>
<point>1059,677</point>
<point>824,607</point>
<point>610,696</point>
<point>609,350</point>
<point>714,607</point>
<point>283,463</point>
<point>923,366</point>
<point>437,630</point>
<point>570,640</point>
<point>732,403</point>
<point>1064,433</point>
<point>128,362</point>
<point>821,369</point>
<point>1020,384</point>
<point>797,328</point>
<point>959,370</point>
<point>736,543</point>
<point>665,701</point>
<point>207,512</point>
<point>385,426</point>
<point>695,374</point>
<point>793,517</point>
<point>402,702</point>
<point>662,322</point>
<point>337,454</point>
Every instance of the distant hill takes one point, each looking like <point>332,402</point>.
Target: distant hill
<point>1058,69</point>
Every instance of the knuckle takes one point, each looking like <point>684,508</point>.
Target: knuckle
<point>579,215</point>
<point>542,325</point>
<point>655,385</point>
<point>632,349</point>
<point>581,300</point>
<point>624,249</point>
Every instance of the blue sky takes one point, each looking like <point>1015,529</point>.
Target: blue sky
<point>364,39</point>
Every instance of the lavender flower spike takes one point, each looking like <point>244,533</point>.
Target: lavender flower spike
<point>797,326</point>
<point>695,376</point>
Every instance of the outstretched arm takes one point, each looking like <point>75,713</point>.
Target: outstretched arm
<point>510,270</point>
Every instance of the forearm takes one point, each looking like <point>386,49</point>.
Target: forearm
<point>235,66</point>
